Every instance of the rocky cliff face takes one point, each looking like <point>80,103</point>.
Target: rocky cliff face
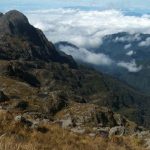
<point>20,40</point>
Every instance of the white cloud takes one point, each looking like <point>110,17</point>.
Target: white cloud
<point>130,66</point>
<point>85,28</point>
<point>128,38</point>
<point>130,53</point>
<point>127,46</point>
<point>98,59</point>
<point>86,56</point>
<point>145,43</point>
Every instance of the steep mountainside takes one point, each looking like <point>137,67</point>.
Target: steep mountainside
<point>129,48</point>
<point>41,66</point>
<point>130,55</point>
<point>20,40</point>
<point>43,89</point>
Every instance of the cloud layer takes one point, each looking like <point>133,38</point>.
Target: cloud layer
<point>86,56</point>
<point>98,59</point>
<point>85,28</point>
<point>130,66</point>
<point>145,43</point>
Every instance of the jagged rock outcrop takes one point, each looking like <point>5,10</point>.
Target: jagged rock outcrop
<point>118,130</point>
<point>100,120</point>
<point>20,40</point>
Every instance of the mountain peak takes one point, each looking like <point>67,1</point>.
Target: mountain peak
<point>17,16</point>
<point>13,22</point>
<point>20,40</point>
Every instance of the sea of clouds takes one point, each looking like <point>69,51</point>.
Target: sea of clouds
<point>85,29</point>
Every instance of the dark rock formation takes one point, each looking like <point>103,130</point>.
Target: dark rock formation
<point>20,40</point>
<point>22,105</point>
<point>3,97</point>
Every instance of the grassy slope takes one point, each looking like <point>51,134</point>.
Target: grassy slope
<point>82,85</point>
<point>16,136</point>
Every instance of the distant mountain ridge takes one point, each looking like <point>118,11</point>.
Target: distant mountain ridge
<point>130,54</point>
<point>125,47</point>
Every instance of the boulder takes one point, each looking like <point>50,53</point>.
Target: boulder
<point>67,122</point>
<point>23,121</point>
<point>3,97</point>
<point>103,132</point>
<point>22,105</point>
<point>35,125</point>
<point>120,120</point>
<point>78,130</point>
<point>59,101</point>
<point>92,134</point>
<point>117,130</point>
<point>143,134</point>
<point>18,118</point>
<point>147,143</point>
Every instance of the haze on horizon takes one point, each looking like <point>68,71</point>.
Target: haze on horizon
<point>128,5</point>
